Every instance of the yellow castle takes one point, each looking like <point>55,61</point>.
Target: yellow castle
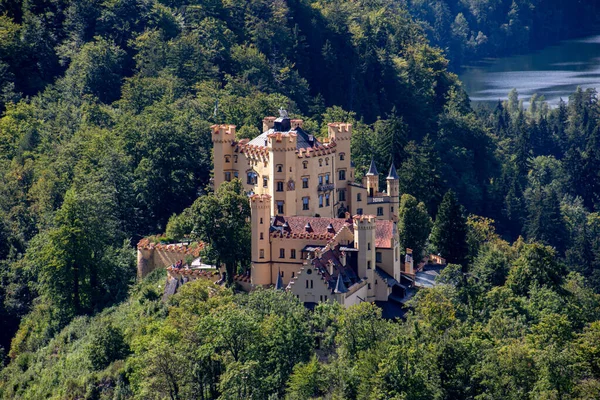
<point>303,194</point>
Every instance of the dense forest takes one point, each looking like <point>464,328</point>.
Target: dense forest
<point>104,139</point>
<point>471,29</point>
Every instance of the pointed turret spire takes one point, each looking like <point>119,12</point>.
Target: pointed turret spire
<point>372,168</point>
<point>393,174</point>
<point>279,283</point>
<point>340,287</point>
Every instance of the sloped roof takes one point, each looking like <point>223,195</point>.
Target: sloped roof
<point>384,233</point>
<point>393,174</point>
<point>296,228</point>
<point>343,276</point>
<point>302,139</point>
<point>372,168</point>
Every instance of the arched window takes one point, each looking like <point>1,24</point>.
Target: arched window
<point>235,158</point>
<point>305,164</point>
<point>227,159</point>
<point>279,168</point>
<point>320,162</point>
<point>342,155</point>
<point>327,161</point>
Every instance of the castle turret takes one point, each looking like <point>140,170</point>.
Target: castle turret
<point>260,208</point>
<point>372,177</point>
<point>223,136</point>
<point>364,241</point>
<point>393,190</point>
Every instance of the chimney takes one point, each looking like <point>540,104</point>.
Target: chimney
<point>408,262</point>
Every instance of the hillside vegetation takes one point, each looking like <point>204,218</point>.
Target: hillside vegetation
<point>105,138</point>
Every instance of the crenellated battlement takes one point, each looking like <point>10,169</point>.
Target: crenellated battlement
<point>221,133</point>
<point>364,221</point>
<point>339,130</point>
<point>260,201</point>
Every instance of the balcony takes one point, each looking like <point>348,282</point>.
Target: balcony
<point>325,187</point>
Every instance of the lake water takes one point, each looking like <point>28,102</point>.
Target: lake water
<point>554,72</point>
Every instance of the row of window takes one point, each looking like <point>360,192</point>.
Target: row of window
<point>359,211</point>
<point>252,179</point>
<point>280,166</point>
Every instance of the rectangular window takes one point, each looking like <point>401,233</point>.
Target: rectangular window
<point>251,178</point>
<point>359,211</point>
<point>320,179</point>
<point>228,176</point>
<point>327,179</point>
<point>342,195</point>
<point>305,183</point>
<point>280,207</point>
<point>379,211</point>
<point>305,164</point>
<point>358,197</point>
<point>320,200</point>
<point>293,254</point>
<point>280,186</point>
<point>378,257</point>
<point>368,264</point>
<point>261,253</point>
<point>342,175</point>
<point>265,181</point>
<point>281,253</point>
<point>262,236</point>
<point>305,203</point>
<point>235,175</point>
<point>311,283</point>
<point>327,200</point>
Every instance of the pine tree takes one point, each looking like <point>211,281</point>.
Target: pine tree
<point>449,234</point>
<point>414,225</point>
<point>545,222</point>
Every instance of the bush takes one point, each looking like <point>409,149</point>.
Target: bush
<point>106,345</point>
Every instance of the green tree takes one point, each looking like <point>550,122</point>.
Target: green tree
<point>106,345</point>
<point>221,220</point>
<point>309,380</point>
<point>449,233</point>
<point>414,225</point>
<point>536,265</point>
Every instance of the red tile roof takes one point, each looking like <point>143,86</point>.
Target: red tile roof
<point>384,230</point>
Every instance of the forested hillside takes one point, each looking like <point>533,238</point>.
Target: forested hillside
<point>472,29</point>
<point>104,139</point>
